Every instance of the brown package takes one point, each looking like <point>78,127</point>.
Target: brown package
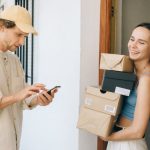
<point>95,122</point>
<point>116,62</point>
<point>109,103</point>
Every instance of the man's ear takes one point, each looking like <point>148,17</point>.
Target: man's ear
<point>2,28</point>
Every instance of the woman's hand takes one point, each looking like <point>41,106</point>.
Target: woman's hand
<point>105,138</point>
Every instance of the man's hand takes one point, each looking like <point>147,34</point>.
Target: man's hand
<point>44,98</point>
<point>28,91</point>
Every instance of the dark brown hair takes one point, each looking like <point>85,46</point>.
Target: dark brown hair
<point>144,25</point>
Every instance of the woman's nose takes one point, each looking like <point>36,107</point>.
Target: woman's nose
<point>134,44</point>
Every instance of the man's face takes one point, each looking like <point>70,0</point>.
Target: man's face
<point>13,38</point>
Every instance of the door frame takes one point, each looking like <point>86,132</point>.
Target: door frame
<point>104,45</point>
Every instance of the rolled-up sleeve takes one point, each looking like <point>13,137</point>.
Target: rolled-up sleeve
<point>27,102</point>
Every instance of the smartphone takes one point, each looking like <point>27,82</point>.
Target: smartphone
<point>55,87</point>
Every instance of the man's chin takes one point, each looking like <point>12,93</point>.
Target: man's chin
<point>13,49</point>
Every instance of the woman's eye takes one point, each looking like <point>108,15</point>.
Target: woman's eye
<point>141,42</point>
<point>131,39</point>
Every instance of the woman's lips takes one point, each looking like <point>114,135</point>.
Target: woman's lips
<point>134,51</point>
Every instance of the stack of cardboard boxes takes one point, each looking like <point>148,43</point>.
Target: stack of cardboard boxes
<point>118,74</point>
<point>102,105</point>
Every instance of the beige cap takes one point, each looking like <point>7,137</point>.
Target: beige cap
<point>20,16</point>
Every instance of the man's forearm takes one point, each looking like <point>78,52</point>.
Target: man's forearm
<point>6,101</point>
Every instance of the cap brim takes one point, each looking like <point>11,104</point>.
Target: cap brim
<point>26,28</point>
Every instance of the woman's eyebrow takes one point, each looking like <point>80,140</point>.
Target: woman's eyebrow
<point>143,40</point>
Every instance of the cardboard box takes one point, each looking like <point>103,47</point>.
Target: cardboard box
<point>108,102</point>
<point>95,122</point>
<point>118,82</point>
<point>116,62</point>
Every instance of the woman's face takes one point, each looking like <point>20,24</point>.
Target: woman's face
<point>139,44</point>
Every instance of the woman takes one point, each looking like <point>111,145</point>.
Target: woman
<point>132,123</point>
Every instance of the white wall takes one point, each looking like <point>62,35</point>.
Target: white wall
<point>66,54</point>
<point>7,3</point>
<point>57,62</point>
<point>90,15</point>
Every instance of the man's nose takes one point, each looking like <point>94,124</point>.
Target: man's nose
<point>21,40</point>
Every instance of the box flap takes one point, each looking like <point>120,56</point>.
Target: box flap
<point>111,60</point>
<point>106,95</point>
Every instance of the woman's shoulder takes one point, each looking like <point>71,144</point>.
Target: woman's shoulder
<point>146,72</point>
<point>143,88</point>
<point>144,80</point>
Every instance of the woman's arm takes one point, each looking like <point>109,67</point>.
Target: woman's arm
<point>141,115</point>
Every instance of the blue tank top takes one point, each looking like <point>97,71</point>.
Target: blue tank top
<point>129,103</point>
